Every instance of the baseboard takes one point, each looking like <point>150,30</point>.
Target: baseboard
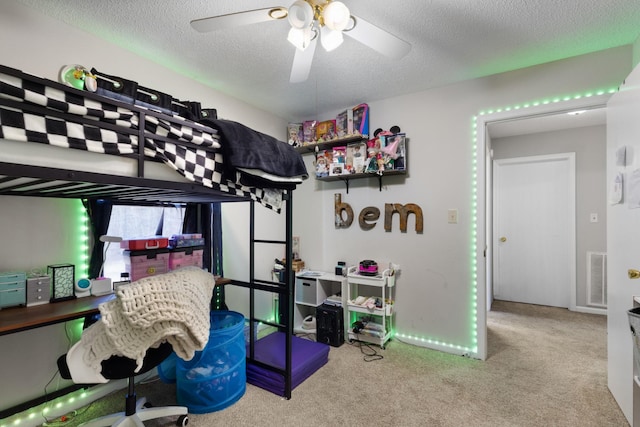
<point>590,310</point>
<point>436,346</point>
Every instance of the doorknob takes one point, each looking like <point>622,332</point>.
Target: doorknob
<point>503,239</point>
<point>633,274</point>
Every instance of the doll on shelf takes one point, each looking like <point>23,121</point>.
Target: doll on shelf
<point>372,161</point>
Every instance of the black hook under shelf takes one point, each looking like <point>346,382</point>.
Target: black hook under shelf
<point>346,182</point>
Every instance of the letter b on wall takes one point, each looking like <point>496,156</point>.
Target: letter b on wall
<point>340,209</point>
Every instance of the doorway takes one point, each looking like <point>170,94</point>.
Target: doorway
<point>490,127</point>
<point>534,229</point>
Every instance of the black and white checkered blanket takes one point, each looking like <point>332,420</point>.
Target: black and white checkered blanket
<point>72,120</point>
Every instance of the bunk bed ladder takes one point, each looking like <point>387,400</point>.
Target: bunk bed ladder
<point>284,322</point>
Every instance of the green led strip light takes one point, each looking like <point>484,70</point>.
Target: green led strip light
<point>77,398</point>
<point>82,260</point>
<point>547,101</point>
<point>473,347</point>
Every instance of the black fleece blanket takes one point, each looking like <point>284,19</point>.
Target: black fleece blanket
<point>243,147</point>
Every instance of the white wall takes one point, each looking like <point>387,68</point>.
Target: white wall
<point>42,232</point>
<point>636,52</point>
<point>38,229</point>
<point>589,144</point>
<point>435,289</point>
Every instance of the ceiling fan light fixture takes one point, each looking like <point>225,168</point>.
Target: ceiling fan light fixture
<point>300,15</point>
<point>330,39</point>
<point>300,38</point>
<point>336,15</point>
<point>278,13</point>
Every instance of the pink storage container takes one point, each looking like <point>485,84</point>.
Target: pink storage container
<point>141,264</point>
<point>155,242</point>
<point>184,257</point>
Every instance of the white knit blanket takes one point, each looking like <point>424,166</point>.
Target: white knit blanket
<point>173,307</point>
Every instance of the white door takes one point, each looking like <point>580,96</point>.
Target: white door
<point>623,243</point>
<point>534,229</point>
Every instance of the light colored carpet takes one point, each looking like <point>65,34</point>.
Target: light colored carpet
<point>546,367</point>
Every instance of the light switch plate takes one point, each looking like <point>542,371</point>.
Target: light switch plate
<point>452,216</point>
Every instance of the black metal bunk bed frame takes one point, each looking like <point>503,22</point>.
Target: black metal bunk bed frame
<point>38,181</point>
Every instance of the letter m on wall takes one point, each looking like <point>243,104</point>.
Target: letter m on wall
<point>403,211</point>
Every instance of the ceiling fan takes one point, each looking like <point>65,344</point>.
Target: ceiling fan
<point>311,20</point>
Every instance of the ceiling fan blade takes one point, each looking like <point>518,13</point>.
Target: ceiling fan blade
<point>232,20</point>
<point>378,39</point>
<point>302,63</point>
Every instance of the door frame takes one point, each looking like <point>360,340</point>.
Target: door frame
<point>569,159</point>
<point>483,196</point>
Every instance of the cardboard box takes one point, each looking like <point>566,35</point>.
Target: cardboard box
<point>309,132</point>
<point>295,134</point>
<point>361,119</point>
<point>344,124</point>
<point>326,131</point>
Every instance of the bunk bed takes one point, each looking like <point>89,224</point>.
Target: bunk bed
<point>132,154</point>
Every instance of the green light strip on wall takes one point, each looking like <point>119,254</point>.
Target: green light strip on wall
<point>82,263</point>
<point>473,347</point>
<point>78,397</point>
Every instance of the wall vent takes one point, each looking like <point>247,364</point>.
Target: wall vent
<point>597,279</point>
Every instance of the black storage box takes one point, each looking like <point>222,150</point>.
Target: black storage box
<point>330,325</point>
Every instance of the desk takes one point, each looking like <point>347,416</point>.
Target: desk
<point>17,319</point>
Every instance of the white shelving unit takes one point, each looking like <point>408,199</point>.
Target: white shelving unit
<point>378,320</point>
<point>312,289</point>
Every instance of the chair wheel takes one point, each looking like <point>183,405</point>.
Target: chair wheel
<point>183,420</point>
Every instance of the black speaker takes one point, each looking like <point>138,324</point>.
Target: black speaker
<point>329,325</point>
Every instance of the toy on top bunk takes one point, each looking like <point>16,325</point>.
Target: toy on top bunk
<point>78,77</point>
<point>131,92</point>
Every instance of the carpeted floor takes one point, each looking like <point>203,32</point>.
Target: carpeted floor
<point>546,367</point>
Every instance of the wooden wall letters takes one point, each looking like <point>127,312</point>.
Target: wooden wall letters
<point>370,215</point>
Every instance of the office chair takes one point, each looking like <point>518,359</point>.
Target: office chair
<point>119,367</point>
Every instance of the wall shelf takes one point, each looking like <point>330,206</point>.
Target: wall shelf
<point>314,148</point>
<point>347,177</point>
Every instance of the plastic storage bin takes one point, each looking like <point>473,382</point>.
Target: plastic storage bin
<point>216,377</point>
<point>634,323</point>
<point>185,257</point>
<point>167,369</point>
<point>141,264</point>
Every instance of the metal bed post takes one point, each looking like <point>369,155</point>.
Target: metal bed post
<point>288,296</point>
<point>252,259</point>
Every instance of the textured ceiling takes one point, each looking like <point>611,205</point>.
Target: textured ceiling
<point>451,41</point>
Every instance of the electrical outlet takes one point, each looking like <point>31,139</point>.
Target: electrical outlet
<point>452,216</point>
